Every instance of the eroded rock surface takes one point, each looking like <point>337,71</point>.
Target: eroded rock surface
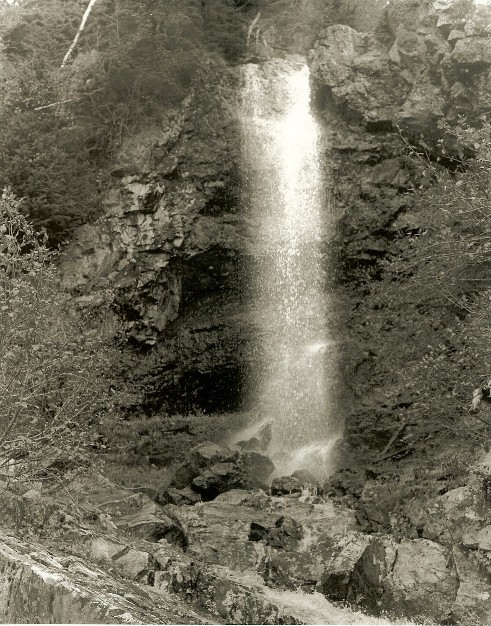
<point>424,62</point>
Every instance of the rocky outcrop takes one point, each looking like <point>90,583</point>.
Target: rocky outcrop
<point>171,199</point>
<point>424,62</point>
<point>38,587</point>
<point>169,248</point>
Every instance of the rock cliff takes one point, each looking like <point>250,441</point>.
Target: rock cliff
<point>424,61</point>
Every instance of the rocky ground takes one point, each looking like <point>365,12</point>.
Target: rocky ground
<point>211,546</point>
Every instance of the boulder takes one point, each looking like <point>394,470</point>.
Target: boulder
<point>200,459</point>
<point>286,485</point>
<point>307,479</point>
<point>259,442</point>
<point>293,570</point>
<point>153,524</point>
<point>473,52</point>
<point>257,465</point>
<point>178,497</point>
<point>284,535</point>
<point>366,587</point>
<point>136,564</point>
<point>449,518</point>
<point>423,579</point>
<point>258,532</point>
<point>104,549</point>
<point>375,506</point>
<point>219,478</point>
<point>340,559</point>
<point>474,592</point>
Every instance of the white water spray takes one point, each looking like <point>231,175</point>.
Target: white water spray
<point>284,192</point>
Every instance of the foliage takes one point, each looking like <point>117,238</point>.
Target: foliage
<point>133,61</point>
<point>426,314</point>
<point>52,358</point>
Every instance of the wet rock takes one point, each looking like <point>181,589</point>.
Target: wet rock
<point>258,532</point>
<point>218,533</point>
<point>293,570</point>
<point>260,441</point>
<point>178,497</point>
<point>286,485</point>
<point>256,499</point>
<point>200,459</point>
<point>153,524</point>
<point>219,478</point>
<point>340,559</point>
<point>135,564</point>
<point>424,575</point>
<point>257,465</point>
<point>284,535</point>
<point>307,479</point>
<point>253,444</point>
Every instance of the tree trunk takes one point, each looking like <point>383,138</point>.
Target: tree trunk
<point>67,56</point>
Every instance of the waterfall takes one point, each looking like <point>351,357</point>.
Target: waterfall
<point>284,193</point>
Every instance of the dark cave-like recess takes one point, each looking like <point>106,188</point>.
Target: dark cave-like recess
<point>220,390</point>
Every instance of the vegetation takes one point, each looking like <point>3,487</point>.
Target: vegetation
<point>52,356</point>
<point>133,61</point>
<point>423,322</point>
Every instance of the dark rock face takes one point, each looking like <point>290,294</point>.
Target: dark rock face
<point>169,249</point>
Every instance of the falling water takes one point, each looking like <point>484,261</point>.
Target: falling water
<point>284,192</point>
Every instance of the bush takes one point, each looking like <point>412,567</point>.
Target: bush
<point>52,358</point>
<point>423,320</point>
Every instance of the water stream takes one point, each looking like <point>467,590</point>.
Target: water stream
<point>289,220</point>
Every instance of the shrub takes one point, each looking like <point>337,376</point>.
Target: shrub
<point>52,358</point>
